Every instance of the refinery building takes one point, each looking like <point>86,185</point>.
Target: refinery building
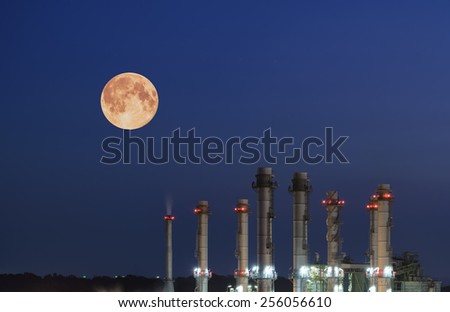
<point>383,272</point>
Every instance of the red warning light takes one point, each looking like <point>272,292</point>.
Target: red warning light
<point>197,210</point>
<point>372,206</point>
<point>169,217</point>
<point>333,202</point>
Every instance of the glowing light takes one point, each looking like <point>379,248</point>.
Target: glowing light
<point>329,272</point>
<point>304,272</point>
<point>388,271</point>
<point>372,206</point>
<point>244,273</point>
<point>198,272</point>
<point>333,202</point>
<point>269,272</point>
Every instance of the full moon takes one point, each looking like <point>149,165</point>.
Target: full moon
<point>129,101</point>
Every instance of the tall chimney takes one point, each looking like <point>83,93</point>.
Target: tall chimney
<point>333,205</point>
<point>373,243</point>
<point>386,272</point>
<point>300,189</point>
<point>265,270</point>
<point>242,272</point>
<point>168,282</point>
<point>202,273</point>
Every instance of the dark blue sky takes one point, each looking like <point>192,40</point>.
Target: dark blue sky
<point>376,71</point>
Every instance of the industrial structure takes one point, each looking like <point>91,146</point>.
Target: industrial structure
<point>409,277</point>
<point>385,269</point>
<point>333,205</point>
<point>201,273</point>
<point>242,272</point>
<point>382,273</point>
<point>373,243</point>
<point>300,190</point>
<point>168,281</point>
<point>264,272</point>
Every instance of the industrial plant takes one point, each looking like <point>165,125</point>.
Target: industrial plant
<point>382,273</point>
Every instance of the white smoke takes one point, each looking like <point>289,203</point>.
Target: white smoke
<point>169,204</point>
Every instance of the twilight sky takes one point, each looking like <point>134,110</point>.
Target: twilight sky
<point>376,71</point>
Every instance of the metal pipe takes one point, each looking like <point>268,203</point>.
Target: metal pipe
<point>265,271</point>
<point>168,282</point>
<point>300,189</point>
<point>242,272</point>
<point>202,273</point>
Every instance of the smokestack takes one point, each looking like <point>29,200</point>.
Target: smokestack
<point>385,269</point>
<point>168,282</point>
<point>265,273</point>
<point>300,189</point>
<point>202,273</point>
<point>242,272</point>
<point>333,205</point>
<point>373,243</point>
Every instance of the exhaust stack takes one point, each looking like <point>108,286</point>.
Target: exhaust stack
<point>202,273</point>
<point>242,272</point>
<point>168,282</point>
<point>264,273</point>
<point>300,189</point>
<point>333,205</point>
<point>373,243</point>
<point>385,269</point>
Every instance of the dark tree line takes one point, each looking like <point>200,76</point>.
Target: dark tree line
<point>55,282</point>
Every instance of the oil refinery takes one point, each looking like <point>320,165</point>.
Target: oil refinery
<point>381,273</point>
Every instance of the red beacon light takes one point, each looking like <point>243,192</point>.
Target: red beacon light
<point>197,210</point>
<point>372,206</point>
<point>331,202</point>
<point>382,196</point>
<point>169,217</point>
<point>240,209</point>
<point>241,273</point>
